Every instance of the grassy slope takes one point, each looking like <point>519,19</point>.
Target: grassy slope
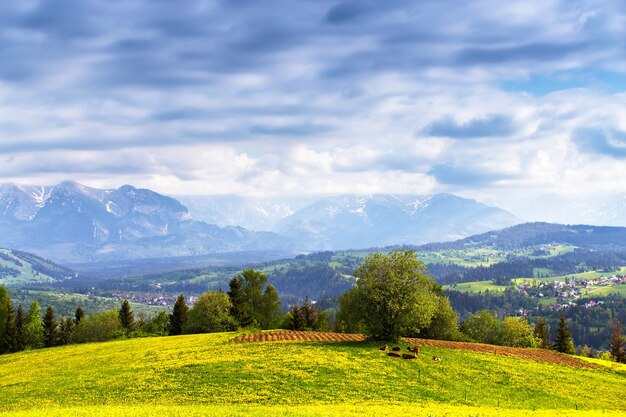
<point>27,275</point>
<point>476,286</point>
<point>204,375</point>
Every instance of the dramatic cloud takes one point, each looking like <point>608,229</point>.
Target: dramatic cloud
<point>487,99</point>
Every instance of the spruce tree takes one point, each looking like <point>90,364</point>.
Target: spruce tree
<point>66,329</point>
<point>78,316</point>
<point>309,315</point>
<point>617,344</point>
<point>564,342</point>
<point>542,333</point>
<point>5,299</point>
<point>19,327</point>
<point>127,318</point>
<point>296,319</point>
<point>50,328</point>
<point>9,342</point>
<point>178,316</point>
<point>241,307</point>
<point>33,327</point>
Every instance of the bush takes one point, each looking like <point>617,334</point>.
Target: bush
<point>98,328</point>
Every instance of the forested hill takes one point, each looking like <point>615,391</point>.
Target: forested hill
<point>532,234</point>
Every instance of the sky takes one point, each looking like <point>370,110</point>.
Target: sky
<point>505,102</point>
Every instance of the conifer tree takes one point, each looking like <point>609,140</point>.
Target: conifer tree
<point>564,342</point>
<point>78,316</point>
<point>617,344</point>
<point>179,316</point>
<point>19,327</point>
<point>66,329</point>
<point>241,307</point>
<point>309,314</point>
<point>33,327</point>
<point>296,318</point>
<point>542,333</point>
<point>50,328</point>
<point>5,299</point>
<point>9,342</point>
<point>127,318</point>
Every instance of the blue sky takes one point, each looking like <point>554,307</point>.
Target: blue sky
<point>500,101</point>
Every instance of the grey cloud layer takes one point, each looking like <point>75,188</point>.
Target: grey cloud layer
<point>384,89</point>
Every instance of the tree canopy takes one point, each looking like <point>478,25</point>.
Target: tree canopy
<point>210,313</point>
<point>394,296</point>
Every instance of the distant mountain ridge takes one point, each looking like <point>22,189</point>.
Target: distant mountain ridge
<point>231,210</point>
<point>540,233</point>
<point>74,223</point>
<point>359,221</point>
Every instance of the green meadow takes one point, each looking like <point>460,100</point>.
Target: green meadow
<point>206,375</point>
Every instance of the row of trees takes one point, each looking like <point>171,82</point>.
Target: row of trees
<point>485,327</point>
<point>20,330</point>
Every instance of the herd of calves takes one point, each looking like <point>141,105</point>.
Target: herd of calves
<point>413,349</point>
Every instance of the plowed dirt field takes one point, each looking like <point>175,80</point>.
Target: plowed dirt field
<point>538,355</point>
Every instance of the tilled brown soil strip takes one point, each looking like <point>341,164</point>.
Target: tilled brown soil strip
<point>539,355</point>
<point>300,336</point>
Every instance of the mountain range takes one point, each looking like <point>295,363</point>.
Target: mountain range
<point>73,223</point>
<point>355,221</point>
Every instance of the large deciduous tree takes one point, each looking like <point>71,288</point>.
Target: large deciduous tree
<point>210,313</point>
<point>444,325</point>
<point>253,301</point>
<point>516,332</point>
<point>484,327</point>
<point>269,313</point>
<point>97,328</point>
<point>394,295</point>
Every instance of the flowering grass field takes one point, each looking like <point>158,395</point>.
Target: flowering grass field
<point>205,375</point>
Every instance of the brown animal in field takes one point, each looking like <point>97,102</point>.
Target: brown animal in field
<point>396,348</point>
<point>407,356</point>
<point>415,349</point>
<point>436,358</point>
<point>393,354</point>
<point>383,348</point>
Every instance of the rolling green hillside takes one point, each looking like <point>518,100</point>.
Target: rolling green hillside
<point>22,268</point>
<point>205,375</point>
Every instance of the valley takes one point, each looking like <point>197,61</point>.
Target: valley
<point>527,270</point>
